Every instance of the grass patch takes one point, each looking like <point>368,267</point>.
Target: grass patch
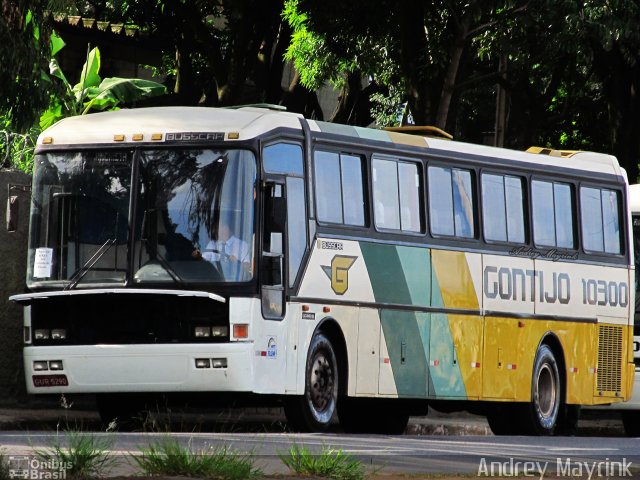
<point>168,457</point>
<point>83,455</point>
<point>329,463</point>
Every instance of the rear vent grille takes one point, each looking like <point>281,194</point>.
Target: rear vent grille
<point>609,359</point>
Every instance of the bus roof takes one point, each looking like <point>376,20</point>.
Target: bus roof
<point>161,124</point>
<point>153,124</point>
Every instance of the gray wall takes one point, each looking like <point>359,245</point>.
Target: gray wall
<point>13,265</point>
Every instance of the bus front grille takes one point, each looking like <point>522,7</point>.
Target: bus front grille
<point>609,376</point>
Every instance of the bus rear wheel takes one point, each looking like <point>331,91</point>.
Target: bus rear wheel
<point>313,411</point>
<point>546,394</point>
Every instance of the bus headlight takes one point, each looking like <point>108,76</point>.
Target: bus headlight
<point>55,365</point>
<point>41,334</point>
<point>219,331</point>
<point>203,363</point>
<point>58,334</point>
<point>39,366</point>
<point>202,332</point>
<point>219,362</point>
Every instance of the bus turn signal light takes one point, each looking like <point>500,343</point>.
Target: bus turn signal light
<point>241,330</point>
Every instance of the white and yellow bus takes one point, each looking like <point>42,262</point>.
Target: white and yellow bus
<point>336,269</point>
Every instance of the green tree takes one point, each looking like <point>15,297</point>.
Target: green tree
<point>92,93</point>
<point>216,52</point>
<point>24,56</point>
<point>422,46</point>
<point>610,29</point>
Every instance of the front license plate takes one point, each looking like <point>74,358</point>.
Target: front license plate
<point>50,381</point>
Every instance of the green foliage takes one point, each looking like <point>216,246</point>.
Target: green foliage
<point>86,454</point>
<point>168,457</point>
<point>92,93</point>
<point>329,463</point>
<point>327,51</point>
<point>387,110</point>
<point>16,149</point>
<point>25,47</point>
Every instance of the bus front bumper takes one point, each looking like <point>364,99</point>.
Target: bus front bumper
<point>139,368</point>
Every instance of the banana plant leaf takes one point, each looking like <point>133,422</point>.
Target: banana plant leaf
<point>113,91</point>
<point>89,76</point>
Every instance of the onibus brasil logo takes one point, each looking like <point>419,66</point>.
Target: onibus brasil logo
<point>25,467</point>
<point>338,272</point>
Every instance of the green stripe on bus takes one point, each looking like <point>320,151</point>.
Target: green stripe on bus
<point>337,129</point>
<point>416,265</point>
<point>406,336</point>
<point>386,273</point>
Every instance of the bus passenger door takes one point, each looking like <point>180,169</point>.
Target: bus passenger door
<point>284,243</point>
<point>273,306</point>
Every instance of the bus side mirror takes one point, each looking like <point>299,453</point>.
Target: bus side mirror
<point>13,201</point>
<point>12,213</point>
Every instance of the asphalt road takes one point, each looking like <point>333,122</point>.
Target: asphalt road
<point>579,457</point>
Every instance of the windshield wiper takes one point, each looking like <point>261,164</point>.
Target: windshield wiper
<point>88,265</point>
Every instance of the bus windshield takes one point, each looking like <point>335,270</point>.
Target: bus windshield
<point>192,218</point>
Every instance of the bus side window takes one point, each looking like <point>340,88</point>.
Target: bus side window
<point>272,257</point>
<point>600,220</point>
<point>552,214</point>
<point>451,202</point>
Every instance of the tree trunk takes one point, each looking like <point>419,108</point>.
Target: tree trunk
<point>413,49</point>
<point>300,100</point>
<point>345,108</point>
<point>184,87</point>
<point>501,104</point>
<point>621,86</point>
<point>452,71</point>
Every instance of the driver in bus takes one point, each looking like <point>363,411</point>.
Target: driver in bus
<point>227,248</point>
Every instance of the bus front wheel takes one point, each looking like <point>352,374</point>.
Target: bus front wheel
<point>313,411</point>
<point>546,393</point>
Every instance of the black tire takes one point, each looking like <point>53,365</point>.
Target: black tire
<point>546,394</point>
<point>371,415</point>
<point>631,422</point>
<point>314,411</point>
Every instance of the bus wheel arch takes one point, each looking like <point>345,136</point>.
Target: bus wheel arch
<point>330,328</point>
<point>315,409</point>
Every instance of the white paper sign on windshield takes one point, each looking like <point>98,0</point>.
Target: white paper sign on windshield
<point>42,263</point>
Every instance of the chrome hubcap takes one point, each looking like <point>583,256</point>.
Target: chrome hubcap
<point>322,381</point>
<point>546,391</point>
